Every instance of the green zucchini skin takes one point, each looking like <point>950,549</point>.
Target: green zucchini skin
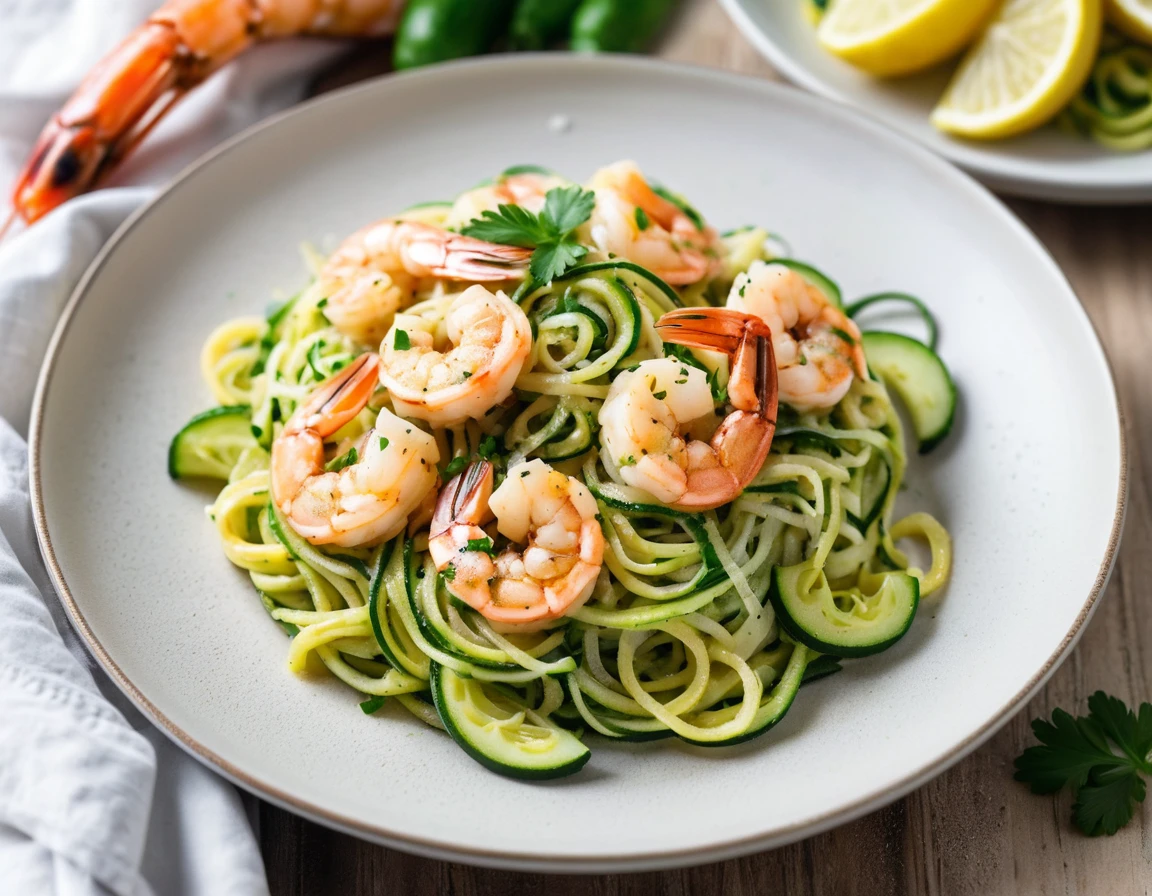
<point>226,430</point>
<point>808,623</point>
<point>919,378</point>
<point>505,760</point>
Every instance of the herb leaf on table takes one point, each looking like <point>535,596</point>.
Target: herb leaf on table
<point>1101,758</point>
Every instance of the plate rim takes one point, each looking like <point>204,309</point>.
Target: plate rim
<point>1016,183</point>
<point>536,861</point>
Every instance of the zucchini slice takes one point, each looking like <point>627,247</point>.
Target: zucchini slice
<point>915,373</point>
<point>843,623</point>
<point>501,735</point>
<point>210,444</point>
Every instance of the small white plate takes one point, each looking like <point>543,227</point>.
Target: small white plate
<point>1031,482</point>
<point>1045,164</point>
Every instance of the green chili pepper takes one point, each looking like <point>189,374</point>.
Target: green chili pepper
<point>618,26</point>
<point>436,30</point>
<point>537,24</point>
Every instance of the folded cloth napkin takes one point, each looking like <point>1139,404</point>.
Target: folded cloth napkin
<point>93,799</point>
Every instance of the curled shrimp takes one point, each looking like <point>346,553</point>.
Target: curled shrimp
<point>817,346</point>
<point>553,515</point>
<point>370,499</point>
<point>527,190</point>
<point>652,412</point>
<point>490,338</point>
<point>133,87</point>
<point>374,273</point>
<point>630,220</point>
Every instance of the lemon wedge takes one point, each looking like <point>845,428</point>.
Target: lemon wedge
<point>1133,17</point>
<point>1027,65</point>
<point>896,37</point>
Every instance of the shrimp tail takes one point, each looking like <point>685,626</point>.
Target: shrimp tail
<point>462,257</point>
<point>464,498</point>
<point>744,438</point>
<point>137,83</point>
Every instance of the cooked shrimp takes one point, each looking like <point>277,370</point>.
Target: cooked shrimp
<point>651,412</point>
<point>490,340</point>
<point>369,500</point>
<point>818,348</point>
<point>630,220</point>
<point>374,272</point>
<point>177,47</point>
<point>552,514</point>
<point>527,190</point>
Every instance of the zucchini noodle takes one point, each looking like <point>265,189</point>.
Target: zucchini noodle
<point>1115,106</point>
<point>683,634</point>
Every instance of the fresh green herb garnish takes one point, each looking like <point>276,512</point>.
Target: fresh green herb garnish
<point>448,573</point>
<point>481,545</point>
<point>642,219</point>
<point>628,461</point>
<point>1101,757</point>
<point>372,704</point>
<point>487,447</point>
<point>456,465</point>
<point>549,233</point>
<point>401,342</point>
<point>322,303</point>
<point>661,395</point>
<point>344,460</point>
<point>383,443</point>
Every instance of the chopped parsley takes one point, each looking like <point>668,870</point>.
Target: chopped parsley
<point>661,395</point>
<point>344,460</point>
<point>383,443</point>
<point>456,465</point>
<point>642,219</point>
<point>372,704</point>
<point>448,573</point>
<point>479,545</point>
<point>548,233</point>
<point>401,342</point>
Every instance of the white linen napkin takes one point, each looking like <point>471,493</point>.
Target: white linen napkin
<point>93,799</point>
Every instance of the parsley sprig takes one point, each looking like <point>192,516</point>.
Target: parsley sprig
<point>1101,757</point>
<point>549,233</point>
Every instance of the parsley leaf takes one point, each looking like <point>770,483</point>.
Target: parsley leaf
<point>481,545</point>
<point>344,460</point>
<point>549,233</point>
<point>1078,753</point>
<point>551,260</point>
<point>372,704</point>
<point>566,208</point>
<point>401,342</point>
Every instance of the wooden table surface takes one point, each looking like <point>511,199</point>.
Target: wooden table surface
<point>973,829</point>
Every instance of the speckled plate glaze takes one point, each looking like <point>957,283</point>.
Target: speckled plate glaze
<point>1045,164</point>
<point>1031,482</point>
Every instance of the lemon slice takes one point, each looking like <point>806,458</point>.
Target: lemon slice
<point>1133,17</point>
<point>1028,64</point>
<point>896,37</point>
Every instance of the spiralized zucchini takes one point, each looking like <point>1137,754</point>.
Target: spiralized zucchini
<point>679,637</point>
<point>1115,106</point>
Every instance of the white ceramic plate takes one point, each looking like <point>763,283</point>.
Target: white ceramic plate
<point>1045,164</point>
<point>1031,482</point>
